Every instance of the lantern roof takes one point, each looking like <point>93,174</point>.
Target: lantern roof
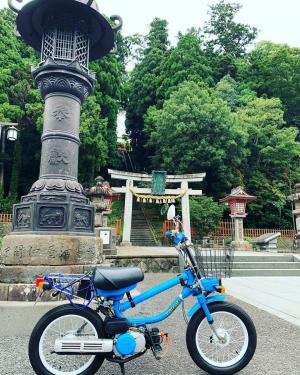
<point>238,193</point>
<point>35,16</point>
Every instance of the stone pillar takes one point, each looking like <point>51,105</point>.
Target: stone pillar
<point>238,228</point>
<point>127,214</point>
<point>56,202</point>
<point>295,198</point>
<point>185,205</point>
<point>238,235</point>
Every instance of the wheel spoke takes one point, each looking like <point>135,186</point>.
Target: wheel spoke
<point>236,338</point>
<point>60,328</point>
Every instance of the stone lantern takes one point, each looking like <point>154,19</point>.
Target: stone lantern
<point>101,196</point>
<point>54,224</point>
<point>237,201</point>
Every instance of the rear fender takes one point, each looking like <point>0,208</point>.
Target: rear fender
<point>197,306</point>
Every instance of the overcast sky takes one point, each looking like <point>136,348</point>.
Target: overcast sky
<point>278,20</point>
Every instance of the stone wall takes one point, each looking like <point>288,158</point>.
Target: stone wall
<point>147,263</point>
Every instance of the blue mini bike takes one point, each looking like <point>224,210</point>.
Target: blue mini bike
<point>76,338</point>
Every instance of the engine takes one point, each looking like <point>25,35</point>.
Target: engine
<point>130,343</point>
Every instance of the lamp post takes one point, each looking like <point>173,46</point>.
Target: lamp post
<point>237,201</point>
<point>53,225</point>
<point>11,135</point>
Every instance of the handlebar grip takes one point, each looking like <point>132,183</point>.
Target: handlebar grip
<point>55,294</point>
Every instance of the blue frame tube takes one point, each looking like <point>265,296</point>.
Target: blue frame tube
<point>186,292</point>
<point>153,292</point>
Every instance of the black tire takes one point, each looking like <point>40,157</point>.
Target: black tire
<point>46,320</point>
<point>191,339</point>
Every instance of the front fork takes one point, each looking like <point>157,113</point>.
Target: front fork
<point>204,306</point>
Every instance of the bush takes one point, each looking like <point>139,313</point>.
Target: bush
<point>205,214</point>
<point>6,203</point>
<point>117,212</point>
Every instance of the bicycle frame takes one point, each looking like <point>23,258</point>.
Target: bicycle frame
<point>187,279</point>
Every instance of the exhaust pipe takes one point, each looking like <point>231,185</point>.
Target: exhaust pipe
<point>83,346</point>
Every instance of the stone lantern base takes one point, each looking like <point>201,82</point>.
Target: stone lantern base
<point>241,246</point>
<point>23,257</point>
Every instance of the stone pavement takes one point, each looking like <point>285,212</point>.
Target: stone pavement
<point>277,295</point>
<point>278,349</point>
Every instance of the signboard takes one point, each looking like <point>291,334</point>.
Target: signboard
<point>158,182</point>
<point>105,235</point>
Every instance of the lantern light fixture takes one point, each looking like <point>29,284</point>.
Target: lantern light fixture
<point>12,133</point>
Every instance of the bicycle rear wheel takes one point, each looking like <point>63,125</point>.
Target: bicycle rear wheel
<point>64,322</point>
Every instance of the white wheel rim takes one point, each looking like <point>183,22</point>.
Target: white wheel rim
<point>222,354</point>
<point>59,328</point>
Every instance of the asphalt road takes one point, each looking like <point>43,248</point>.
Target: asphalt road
<point>278,350</point>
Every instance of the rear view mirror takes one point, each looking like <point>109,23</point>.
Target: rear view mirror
<point>171,212</point>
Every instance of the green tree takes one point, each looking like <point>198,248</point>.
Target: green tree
<point>195,131</point>
<point>109,96</point>
<point>19,102</point>
<point>186,62</point>
<point>225,39</point>
<point>271,166</point>
<point>228,89</point>
<point>206,214</point>
<point>223,34</point>
<point>274,70</point>
<point>143,85</point>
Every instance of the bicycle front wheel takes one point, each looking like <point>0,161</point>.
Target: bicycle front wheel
<point>227,356</point>
<point>64,322</point>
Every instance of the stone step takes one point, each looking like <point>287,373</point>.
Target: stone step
<point>266,272</point>
<point>263,258</point>
<point>266,265</point>
<point>144,244</point>
<point>141,230</point>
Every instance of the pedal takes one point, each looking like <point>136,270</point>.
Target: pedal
<point>157,339</point>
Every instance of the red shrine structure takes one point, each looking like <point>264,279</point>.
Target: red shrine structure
<point>237,201</point>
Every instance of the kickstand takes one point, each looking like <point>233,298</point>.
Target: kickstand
<point>122,368</point>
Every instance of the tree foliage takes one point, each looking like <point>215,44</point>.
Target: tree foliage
<point>205,104</point>
<point>206,215</point>
<point>196,132</point>
<point>274,70</point>
<point>223,34</point>
<point>143,85</point>
<point>272,163</point>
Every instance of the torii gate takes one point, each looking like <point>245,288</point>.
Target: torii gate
<point>129,189</point>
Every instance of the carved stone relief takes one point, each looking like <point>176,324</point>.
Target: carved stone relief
<point>56,83</point>
<point>53,198</point>
<point>57,184</point>
<point>82,218</point>
<point>58,157</point>
<point>61,113</point>
<point>52,217</point>
<point>29,198</point>
<point>23,218</point>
